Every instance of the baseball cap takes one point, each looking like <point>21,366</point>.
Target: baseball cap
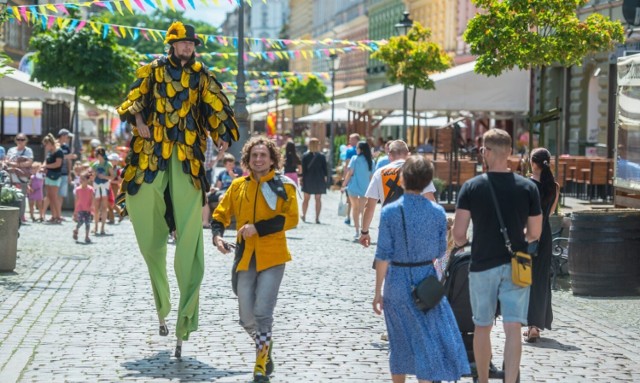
<point>64,132</point>
<point>113,157</point>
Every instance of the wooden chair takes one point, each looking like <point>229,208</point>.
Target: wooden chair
<point>581,175</point>
<point>569,174</point>
<point>598,176</point>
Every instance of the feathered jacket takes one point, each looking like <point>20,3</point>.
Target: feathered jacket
<point>271,206</point>
<point>181,106</point>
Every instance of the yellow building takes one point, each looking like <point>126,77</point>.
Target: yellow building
<point>300,27</point>
<point>438,15</point>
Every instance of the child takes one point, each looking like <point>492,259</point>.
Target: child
<point>84,202</point>
<point>35,191</point>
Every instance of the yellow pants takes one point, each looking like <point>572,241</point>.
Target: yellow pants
<point>146,209</point>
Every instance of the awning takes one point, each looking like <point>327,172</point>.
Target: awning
<point>17,86</point>
<point>458,88</point>
<point>341,114</point>
<point>398,121</point>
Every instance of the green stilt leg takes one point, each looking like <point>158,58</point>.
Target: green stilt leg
<point>146,210</point>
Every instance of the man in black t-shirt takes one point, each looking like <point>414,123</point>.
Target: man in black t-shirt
<point>490,269</point>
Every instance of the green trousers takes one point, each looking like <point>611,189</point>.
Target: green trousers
<point>146,209</point>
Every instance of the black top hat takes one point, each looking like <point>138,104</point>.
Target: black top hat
<point>181,32</point>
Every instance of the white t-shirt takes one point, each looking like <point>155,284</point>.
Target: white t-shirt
<point>384,182</point>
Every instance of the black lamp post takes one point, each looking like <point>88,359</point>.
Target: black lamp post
<point>402,28</point>
<point>240,106</point>
<point>335,62</point>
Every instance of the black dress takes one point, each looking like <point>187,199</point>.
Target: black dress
<point>540,314</point>
<point>314,173</point>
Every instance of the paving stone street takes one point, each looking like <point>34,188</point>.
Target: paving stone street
<point>84,313</point>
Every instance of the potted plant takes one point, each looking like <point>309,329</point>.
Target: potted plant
<point>10,196</point>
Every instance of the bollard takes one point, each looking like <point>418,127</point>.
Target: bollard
<point>9,221</point>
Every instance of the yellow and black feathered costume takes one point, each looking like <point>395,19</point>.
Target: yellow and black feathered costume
<point>181,105</point>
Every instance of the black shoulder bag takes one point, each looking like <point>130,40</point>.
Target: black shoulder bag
<point>428,293</point>
<point>520,261</point>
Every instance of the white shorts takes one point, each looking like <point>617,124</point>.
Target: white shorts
<point>101,190</point>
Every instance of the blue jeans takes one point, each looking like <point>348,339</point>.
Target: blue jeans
<point>257,297</point>
<point>486,287</point>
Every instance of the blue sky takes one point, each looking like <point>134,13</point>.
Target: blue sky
<point>212,14</point>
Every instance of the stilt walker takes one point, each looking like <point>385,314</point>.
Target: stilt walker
<point>174,104</point>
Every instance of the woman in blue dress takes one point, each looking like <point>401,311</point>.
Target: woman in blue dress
<point>427,345</point>
<point>356,181</point>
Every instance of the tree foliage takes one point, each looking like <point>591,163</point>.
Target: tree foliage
<point>96,67</point>
<point>4,59</point>
<point>412,58</point>
<point>536,33</point>
<point>308,92</point>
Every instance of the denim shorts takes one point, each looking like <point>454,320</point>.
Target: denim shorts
<point>64,186</point>
<point>50,182</point>
<point>487,287</point>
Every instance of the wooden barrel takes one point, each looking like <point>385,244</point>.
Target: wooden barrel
<point>604,252</point>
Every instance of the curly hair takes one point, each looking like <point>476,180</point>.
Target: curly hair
<point>274,152</point>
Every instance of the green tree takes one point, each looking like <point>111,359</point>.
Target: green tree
<point>532,34</point>
<point>95,67</point>
<point>412,58</point>
<point>536,33</point>
<point>308,92</point>
<point>161,20</point>
<point>4,59</point>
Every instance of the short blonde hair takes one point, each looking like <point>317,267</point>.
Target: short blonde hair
<point>314,145</point>
<point>497,139</point>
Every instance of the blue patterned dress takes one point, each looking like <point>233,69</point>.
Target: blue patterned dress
<point>429,344</point>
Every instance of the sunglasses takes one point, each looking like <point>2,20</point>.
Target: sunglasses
<point>21,139</point>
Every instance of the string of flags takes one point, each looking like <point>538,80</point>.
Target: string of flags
<point>50,15</point>
<point>273,83</point>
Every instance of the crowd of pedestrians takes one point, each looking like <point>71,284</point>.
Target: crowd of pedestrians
<point>46,184</point>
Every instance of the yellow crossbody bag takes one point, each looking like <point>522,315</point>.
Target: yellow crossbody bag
<point>521,269</point>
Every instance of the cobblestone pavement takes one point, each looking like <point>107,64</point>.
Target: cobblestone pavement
<point>84,313</point>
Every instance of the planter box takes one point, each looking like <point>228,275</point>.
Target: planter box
<point>9,223</point>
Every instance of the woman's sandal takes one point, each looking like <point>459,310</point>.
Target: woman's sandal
<point>532,334</point>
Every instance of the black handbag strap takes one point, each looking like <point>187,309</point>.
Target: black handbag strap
<point>406,241</point>
<point>503,229</point>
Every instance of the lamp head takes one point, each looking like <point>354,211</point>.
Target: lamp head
<point>403,26</point>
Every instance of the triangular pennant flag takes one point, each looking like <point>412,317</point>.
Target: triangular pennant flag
<point>81,25</point>
<point>109,7</point>
<point>123,31</point>
<point>50,21</point>
<point>93,26</point>
<point>43,9</point>
<point>151,3</point>
<point>115,30</point>
<point>72,26</point>
<point>181,4</point>
<point>62,9</point>
<point>193,6</point>
<point>118,7</point>
<point>51,7</point>
<point>144,34</point>
<point>127,3</point>
<point>161,5</point>
<point>43,22</point>
<point>16,14</point>
<point>105,31</point>
<point>139,4</point>
<point>136,33</point>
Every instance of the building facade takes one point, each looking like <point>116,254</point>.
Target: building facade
<point>383,16</point>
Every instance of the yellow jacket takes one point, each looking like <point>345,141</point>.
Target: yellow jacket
<point>245,201</point>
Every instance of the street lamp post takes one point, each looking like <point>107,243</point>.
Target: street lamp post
<point>240,107</point>
<point>335,62</point>
<point>402,28</point>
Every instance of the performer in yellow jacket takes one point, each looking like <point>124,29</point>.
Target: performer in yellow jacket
<point>265,206</point>
<point>174,104</point>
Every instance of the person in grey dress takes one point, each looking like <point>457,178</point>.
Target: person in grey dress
<point>412,235</point>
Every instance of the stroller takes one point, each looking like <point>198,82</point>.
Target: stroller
<point>457,292</point>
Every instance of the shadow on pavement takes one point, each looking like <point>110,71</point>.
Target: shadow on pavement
<point>163,366</point>
<point>553,344</point>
